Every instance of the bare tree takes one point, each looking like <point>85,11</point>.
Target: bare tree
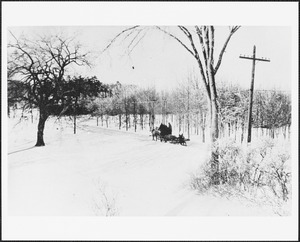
<point>199,41</point>
<point>41,65</point>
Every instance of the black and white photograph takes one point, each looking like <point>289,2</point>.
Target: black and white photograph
<point>149,122</point>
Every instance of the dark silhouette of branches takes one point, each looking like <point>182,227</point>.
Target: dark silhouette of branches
<point>41,66</point>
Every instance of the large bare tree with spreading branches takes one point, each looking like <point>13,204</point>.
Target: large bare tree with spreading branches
<point>199,42</point>
<point>41,66</point>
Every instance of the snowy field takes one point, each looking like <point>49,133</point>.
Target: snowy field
<point>108,172</point>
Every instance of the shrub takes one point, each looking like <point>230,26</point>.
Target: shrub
<point>104,203</point>
<point>258,169</point>
<point>201,180</point>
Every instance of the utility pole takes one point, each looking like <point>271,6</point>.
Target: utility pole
<point>253,58</point>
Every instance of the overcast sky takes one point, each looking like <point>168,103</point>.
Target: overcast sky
<point>160,61</point>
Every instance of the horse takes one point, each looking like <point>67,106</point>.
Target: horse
<point>181,139</point>
<point>155,133</point>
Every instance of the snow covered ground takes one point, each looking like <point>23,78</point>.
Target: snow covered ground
<point>107,172</point>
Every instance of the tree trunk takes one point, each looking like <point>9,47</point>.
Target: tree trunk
<point>31,114</point>
<point>214,130</point>
<point>284,132</point>
<point>135,121</point>
<point>235,130</point>
<point>203,134</point>
<point>41,125</point>
<point>126,120</point>
<point>188,124</point>
<point>15,110</point>
<point>141,121</point>
<point>197,124</point>
<point>272,132</point>
<point>242,135</point>
<point>134,116</point>
<point>8,111</point>
<point>75,113</point>
<point>74,123</point>
<point>214,133</point>
<point>129,121</point>
<point>153,121</point>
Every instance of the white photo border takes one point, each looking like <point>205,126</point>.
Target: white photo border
<point>151,13</point>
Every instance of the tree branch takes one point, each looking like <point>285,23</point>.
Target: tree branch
<point>118,35</point>
<point>196,55</point>
<point>232,31</point>
<point>137,42</point>
<point>174,37</point>
<point>202,44</point>
<point>211,37</point>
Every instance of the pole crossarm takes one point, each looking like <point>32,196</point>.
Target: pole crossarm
<point>254,58</point>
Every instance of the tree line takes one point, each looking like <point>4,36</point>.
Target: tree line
<point>134,107</point>
<point>138,107</point>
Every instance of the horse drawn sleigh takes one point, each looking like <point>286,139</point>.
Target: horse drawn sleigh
<point>164,133</point>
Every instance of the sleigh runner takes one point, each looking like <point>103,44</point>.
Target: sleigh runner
<point>174,139</point>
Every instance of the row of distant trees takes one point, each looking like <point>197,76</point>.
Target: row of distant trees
<point>271,109</point>
<point>138,107</point>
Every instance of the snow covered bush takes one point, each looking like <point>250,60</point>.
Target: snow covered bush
<point>201,179</point>
<point>270,168</point>
<point>262,168</point>
<point>231,162</point>
<point>104,202</point>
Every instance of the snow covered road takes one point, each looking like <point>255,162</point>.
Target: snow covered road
<point>103,172</point>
